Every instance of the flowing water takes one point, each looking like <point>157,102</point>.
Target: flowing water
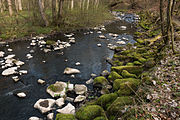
<point>85,51</point>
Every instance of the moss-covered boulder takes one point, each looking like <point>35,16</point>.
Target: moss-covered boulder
<point>137,63</point>
<point>141,59</point>
<point>130,64</point>
<point>105,99</point>
<point>126,86</point>
<point>117,63</point>
<point>99,81</point>
<point>131,69</point>
<point>140,41</point>
<point>126,74</point>
<point>113,76</point>
<point>118,105</point>
<point>65,117</point>
<point>100,118</point>
<point>89,112</point>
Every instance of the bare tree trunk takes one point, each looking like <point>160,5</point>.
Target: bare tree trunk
<point>162,21</point>
<point>53,10</point>
<point>60,10</point>
<point>87,4</point>
<point>72,4</point>
<point>42,13</point>
<point>16,5</point>
<point>10,7</point>
<point>1,6</point>
<point>20,5</point>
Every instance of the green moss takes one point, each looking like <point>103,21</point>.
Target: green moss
<point>130,64</point>
<point>117,63</point>
<point>100,118</point>
<point>89,112</point>
<point>118,105</point>
<point>105,99</point>
<point>50,42</point>
<point>126,74</point>
<point>120,57</point>
<point>131,69</point>
<point>65,117</point>
<point>126,86</point>
<point>137,63</point>
<point>138,34</point>
<point>141,59</point>
<point>100,81</point>
<point>114,75</point>
<point>140,41</point>
<point>55,88</point>
<point>126,52</point>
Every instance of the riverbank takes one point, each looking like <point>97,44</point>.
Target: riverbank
<point>144,80</point>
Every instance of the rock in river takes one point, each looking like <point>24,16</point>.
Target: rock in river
<point>40,81</point>
<point>68,109</point>
<point>57,89</point>
<point>80,89</point>
<point>71,71</point>
<point>60,102</point>
<point>50,116</point>
<point>9,71</point>
<point>34,118</point>
<point>2,54</point>
<point>21,95</point>
<point>80,98</point>
<point>44,105</point>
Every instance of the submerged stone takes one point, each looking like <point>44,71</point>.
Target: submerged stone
<point>89,112</point>
<point>71,71</point>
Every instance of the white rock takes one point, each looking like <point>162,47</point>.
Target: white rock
<point>9,50</point>
<point>60,102</point>
<point>44,105</point>
<point>31,51</point>
<point>42,42</point>
<point>19,63</point>
<point>23,71</point>
<point>40,81</point>
<point>61,89</point>
<point>99,32</point>
<point>34,118</point>
<point>15,78</point>
<point>10,56</point>
<point>102,36</point>
<point>73,76</point>
<point>115,35</point>
<point>89,81</point>
<point>70,87</point>
<point>69,99</point>
<point>50,116</point>
<point>80,89</point>
<point>123,27</point>
<point>9,71</point>
<point>121,42</point>
<point>99,45</point>
<point>46,50</point>
<point>78,63</point>
<point>69,109</point>
<point>29,56</point>
<point>10,61</point>
<point>21,95</point>
<point>2,54</point>
<point>93,75</point>
<point>32,44</point>
<point>72,41</point>
<point>80,98</point>
<point>71,71</point>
